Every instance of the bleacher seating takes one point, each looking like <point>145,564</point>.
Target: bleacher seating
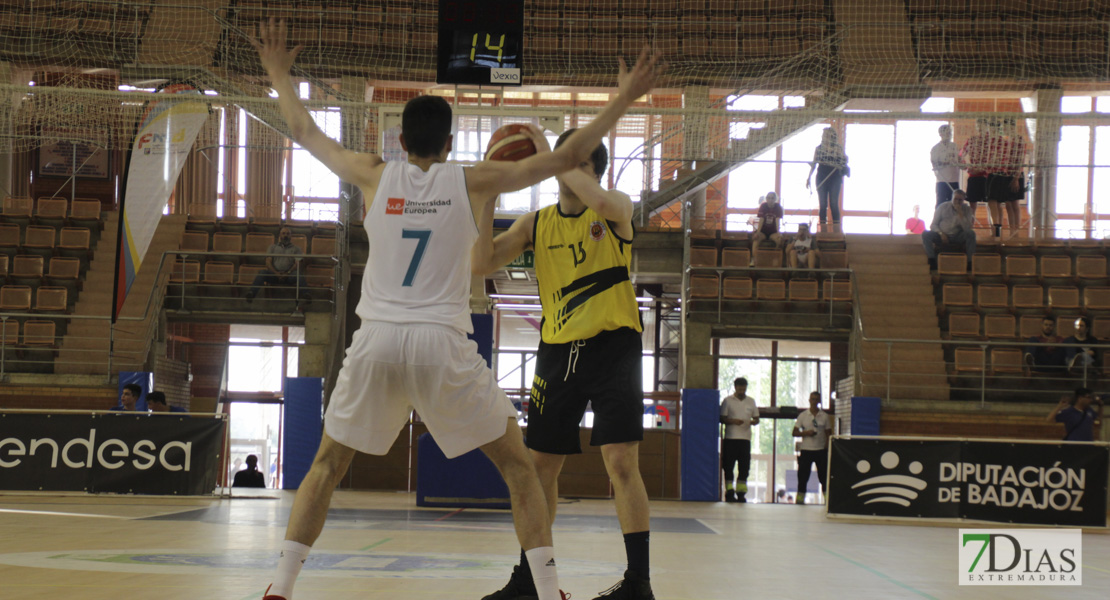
<point>50,299</point>
<point>27,270</point>
<point>737,288</point>
<point>51,212</point>
<point>703,257</point>
<point>736,257</point>
<point>39,333</point>
<point>15,298</point>
<point>16,211</point>
<point>963,325</point>
<point>998,327</point>
<point>772,290</point>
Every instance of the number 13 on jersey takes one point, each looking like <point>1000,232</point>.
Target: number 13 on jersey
<point>421,236</point>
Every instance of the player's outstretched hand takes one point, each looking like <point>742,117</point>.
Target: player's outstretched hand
<point>272,48</point>
<point>643,75</point>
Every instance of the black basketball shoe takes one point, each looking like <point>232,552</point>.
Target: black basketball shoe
<point>520,587</point>
<point>632,587</point>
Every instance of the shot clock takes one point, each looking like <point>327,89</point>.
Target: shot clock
<point>480,42</point>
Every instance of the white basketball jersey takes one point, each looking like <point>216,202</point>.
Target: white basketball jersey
<point>421,229</point>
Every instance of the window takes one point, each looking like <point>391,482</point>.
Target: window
<point>309,176</point>
<point>258,361</point>
<point>870,150</point>
<point>914,181</point>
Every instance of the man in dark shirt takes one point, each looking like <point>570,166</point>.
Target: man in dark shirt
<point>250,477</point>
<point>1078,416</point>
<point>157,403</point>
<point>1046,359</point>
<point>283,269</point>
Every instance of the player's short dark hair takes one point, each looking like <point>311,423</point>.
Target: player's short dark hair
<point>135,389</point>
<point>1049,318</point>
<point>426,125</point>
<point>1086,321</point>
<point>156,397</point>
<point>252,461</point>
<point>1080,392</point>
<point>599,157</point>
<point>739,381</point>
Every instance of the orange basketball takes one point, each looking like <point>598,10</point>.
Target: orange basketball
<point>509,143</point>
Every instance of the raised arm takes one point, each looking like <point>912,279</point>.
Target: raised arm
<point>491,253</point>
<point>612,205</point>
<point>491,178</point>
<point>277,59</point>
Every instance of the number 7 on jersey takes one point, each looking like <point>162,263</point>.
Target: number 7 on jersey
<point>421,236</point>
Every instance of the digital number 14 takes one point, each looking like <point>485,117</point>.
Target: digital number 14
<point>474,46</point>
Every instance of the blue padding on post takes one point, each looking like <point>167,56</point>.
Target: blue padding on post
<point>145,379</point>
<point>701,465</point>
<point>303,428</point>
<point>467,481</point>
<point>865,415</point>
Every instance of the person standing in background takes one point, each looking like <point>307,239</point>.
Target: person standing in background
<point>738,414</point>
<point>831,164</point>
<point>946,165</point>
<point>976,157</point>
<point>814,427</point>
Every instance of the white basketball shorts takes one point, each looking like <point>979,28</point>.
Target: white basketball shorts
<point>390,369</point>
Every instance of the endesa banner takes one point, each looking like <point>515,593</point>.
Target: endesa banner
<point>116,452</point>
<point>1057,483</point>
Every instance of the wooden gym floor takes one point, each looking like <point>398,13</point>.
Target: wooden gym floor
<point>379,546</point>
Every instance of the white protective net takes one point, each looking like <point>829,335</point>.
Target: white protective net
<point>745,76</point>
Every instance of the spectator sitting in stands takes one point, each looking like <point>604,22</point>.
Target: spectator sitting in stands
<point>801,250</point>
<point>1081,353</point>
<point>281,270</point>
<point>1077,415</point>
<point>767,227</point>
<point>157,403</point>
<point>1046,359</point>
<point>250,477</point>
<point>952,224</point>
<point>128,398</point>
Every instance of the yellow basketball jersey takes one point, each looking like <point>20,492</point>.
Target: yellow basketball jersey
<point>582,270</point>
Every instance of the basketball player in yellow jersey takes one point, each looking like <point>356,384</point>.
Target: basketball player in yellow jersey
<point>590,350</point>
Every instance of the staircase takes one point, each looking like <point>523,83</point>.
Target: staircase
<point>84,349</point>
<point>896,302</point>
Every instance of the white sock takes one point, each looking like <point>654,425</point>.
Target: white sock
<point>542,563</point>
<point>293,555</point>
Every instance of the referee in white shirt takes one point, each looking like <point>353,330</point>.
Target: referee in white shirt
<point>738,414</point>
<point>813,426</point>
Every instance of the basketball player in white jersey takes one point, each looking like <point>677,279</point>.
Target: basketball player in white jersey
<point>411,350</point>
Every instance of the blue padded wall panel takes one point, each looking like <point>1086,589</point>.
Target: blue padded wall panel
<point>701,465</point>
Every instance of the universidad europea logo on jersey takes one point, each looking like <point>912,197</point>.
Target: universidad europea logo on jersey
<point>394,206</point>
<point>597,231</point>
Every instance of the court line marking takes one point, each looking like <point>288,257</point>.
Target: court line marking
<point>1096,568</point>
<point>374,545</point>
<point>61,514</point>
<point>877,572</point>
<point>708,526</point>
<point>450,514</point>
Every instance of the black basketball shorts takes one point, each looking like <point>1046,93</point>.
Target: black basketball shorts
<point>605,371</point>
<point>976,189</point>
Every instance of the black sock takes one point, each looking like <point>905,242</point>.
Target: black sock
<point>636,547</point>
<point>997,230</point>
<point>524,568</point>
